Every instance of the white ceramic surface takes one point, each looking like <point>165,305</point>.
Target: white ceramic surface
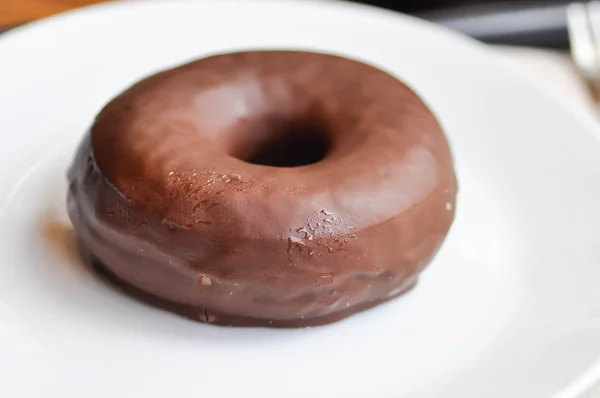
<point>509,308</point>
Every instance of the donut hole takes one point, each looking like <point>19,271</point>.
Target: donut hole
<point>293,145</point>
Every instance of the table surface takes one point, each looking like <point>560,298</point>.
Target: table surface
<point>15,12</point>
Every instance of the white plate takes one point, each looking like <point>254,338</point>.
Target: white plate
<point>509,308</point>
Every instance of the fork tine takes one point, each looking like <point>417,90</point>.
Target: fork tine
<point>593,13</point>
<point>583,25</point>
<point>580,37</point>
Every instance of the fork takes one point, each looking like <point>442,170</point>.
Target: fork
<point>583,26</point>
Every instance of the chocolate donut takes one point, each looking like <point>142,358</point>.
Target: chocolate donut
<point>264,188</point>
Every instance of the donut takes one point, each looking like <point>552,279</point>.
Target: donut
<point>264,188</point>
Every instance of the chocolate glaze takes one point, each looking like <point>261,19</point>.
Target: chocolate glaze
<point>167,196</point>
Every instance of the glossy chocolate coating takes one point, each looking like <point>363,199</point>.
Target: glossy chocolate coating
<point>163,198</point>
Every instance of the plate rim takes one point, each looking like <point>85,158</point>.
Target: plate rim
<point>587,379</point>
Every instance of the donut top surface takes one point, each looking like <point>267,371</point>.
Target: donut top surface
<point>364,144</point>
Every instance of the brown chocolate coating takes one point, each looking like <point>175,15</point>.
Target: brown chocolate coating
<point>180,193</point>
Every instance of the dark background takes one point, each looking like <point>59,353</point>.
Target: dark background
<point>533,23</point>
<point>416,6</point>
